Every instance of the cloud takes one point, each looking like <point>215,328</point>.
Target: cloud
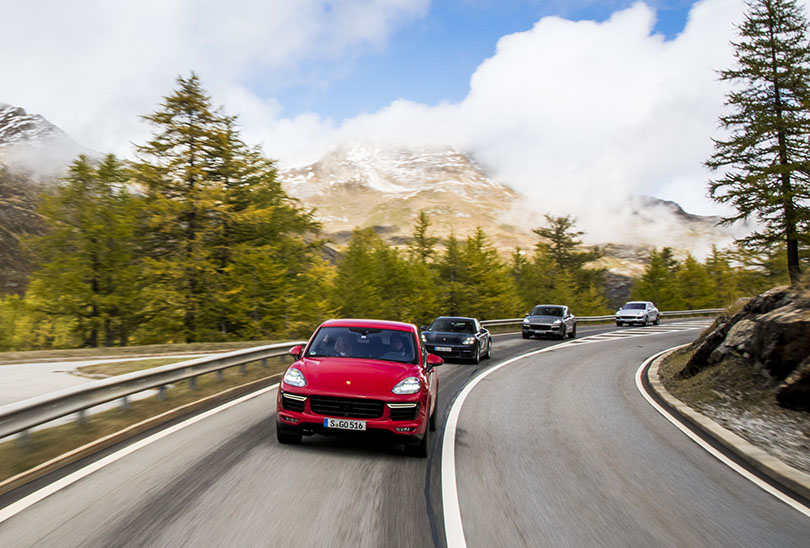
<point>576,115</point>
<point>93,67</point>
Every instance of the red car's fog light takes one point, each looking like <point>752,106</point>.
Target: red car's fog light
<point>404,429</point>
<point>288,419</point>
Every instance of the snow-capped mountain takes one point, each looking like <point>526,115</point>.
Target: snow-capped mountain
<point>356,185</point>
<point>29,143</point>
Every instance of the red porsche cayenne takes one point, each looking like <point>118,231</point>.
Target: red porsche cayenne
<point>369,376</point>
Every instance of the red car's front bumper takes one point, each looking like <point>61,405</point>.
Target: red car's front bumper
<point>406,420</point>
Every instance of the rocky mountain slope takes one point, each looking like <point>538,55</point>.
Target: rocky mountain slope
<point>387,188</point>
<point>383,187</point>
<point>357,186</point>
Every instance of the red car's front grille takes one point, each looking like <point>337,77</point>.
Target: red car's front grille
<point>346,407</point>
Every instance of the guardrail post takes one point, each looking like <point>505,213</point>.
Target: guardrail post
<point>242,369</point>
<point>264,362</point>
<point>220,375</point>
<point>24,439</point>
<point>81,417</point>
<point>125,403</point>
<point>192,383</point>
<point>161,392</point>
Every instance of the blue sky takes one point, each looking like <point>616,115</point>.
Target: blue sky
<point>430,59</point>
<point>576,104</point>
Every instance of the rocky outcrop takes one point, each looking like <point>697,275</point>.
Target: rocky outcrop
<point>770,333</point>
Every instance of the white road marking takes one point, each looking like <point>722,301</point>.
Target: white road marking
<point>453,526</point>
<point>28,501</point>
<point>790,501</point>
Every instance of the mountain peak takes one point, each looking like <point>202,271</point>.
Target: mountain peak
<point>17,127</point>
<point>31,144</point>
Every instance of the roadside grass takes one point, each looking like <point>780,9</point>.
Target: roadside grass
<point>110,369</point>
<point>7,358</point>
<point>18,455</point>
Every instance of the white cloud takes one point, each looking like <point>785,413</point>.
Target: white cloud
<point>576,115</point>
<point>93,67</point>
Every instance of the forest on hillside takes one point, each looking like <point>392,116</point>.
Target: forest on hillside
<point>196,240</point>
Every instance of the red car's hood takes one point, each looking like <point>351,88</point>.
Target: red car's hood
<point>353,376</point>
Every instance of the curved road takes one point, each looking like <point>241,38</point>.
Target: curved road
<point>554,449</point>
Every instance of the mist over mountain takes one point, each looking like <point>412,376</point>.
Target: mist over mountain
<point>357,185</point>
<point>31,145</point>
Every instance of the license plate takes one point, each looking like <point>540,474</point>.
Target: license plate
<point>344,424</point>
<point>443,349</point>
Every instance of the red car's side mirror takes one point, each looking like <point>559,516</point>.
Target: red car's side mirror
<point>296,351</point>
<point>433,360</point>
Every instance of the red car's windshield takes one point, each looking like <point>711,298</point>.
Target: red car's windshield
<point>360,342</point>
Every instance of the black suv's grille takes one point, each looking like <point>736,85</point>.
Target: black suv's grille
<point>346,407</point>
<point>404,414</point>
<point>540,327</point>
<point>293,403</point>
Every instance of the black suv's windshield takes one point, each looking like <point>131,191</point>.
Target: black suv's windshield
<point>452,326</point>
<point>547,311</point>
<point>357,342</point>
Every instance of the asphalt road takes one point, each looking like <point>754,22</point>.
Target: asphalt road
<point>555,449</point>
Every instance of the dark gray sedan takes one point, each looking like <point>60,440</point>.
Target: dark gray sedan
<point>549,320</point>
<point>457,337</point>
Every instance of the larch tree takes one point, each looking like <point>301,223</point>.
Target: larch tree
<point>764,159</point>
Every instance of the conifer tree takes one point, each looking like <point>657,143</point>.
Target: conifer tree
<point>452,273</point>
<point>85,261</point>
<point>695,286</point>
<point>422,248</point>
<point>178,167</point>
<point>765,159</point>
<point>658,282</point>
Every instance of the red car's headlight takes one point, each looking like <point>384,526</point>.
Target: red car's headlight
<point>294,377</point>
<point>411,385</point>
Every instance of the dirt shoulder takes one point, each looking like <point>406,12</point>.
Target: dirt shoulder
<point>742,400</point>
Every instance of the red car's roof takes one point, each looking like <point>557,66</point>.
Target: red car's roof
<point>373,324</point>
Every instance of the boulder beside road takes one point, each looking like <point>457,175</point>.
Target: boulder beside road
<point>770,333</point>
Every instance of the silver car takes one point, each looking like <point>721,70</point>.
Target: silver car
<point>640,312</point>
<point>549,319</point>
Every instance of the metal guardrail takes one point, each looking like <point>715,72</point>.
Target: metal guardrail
<point>610,317</point>
<point>26,414</point>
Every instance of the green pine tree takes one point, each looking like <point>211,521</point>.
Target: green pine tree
<point>179,168</point>
<point>695,286</point>
<point>658,283</point>
<point>85,263</point>
<point>765,160</point>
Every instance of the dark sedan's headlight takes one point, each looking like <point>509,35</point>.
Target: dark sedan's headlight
<point>468,341</point>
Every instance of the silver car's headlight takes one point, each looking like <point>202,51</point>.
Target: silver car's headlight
<point>294,377</point>
<point>468,340</point>
<point>526,321</point>
<point>556,322</point>
<point>411,385</point>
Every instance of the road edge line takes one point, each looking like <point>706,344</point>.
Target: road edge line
<point>89,449</point>
<point>451,510</point>
<point>776,470</point>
